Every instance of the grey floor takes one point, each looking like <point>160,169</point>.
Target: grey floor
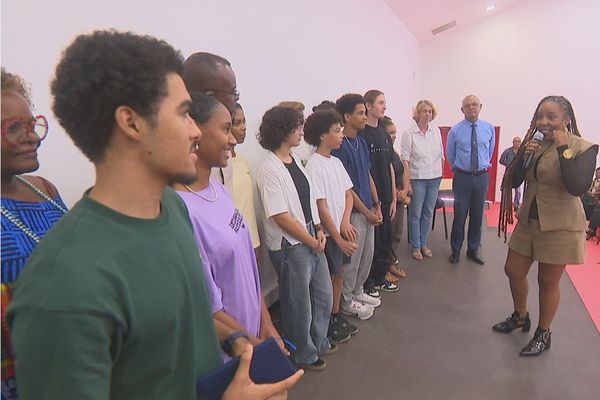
<point>433,339</point>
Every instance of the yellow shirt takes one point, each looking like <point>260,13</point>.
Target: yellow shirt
<point>243,195</point>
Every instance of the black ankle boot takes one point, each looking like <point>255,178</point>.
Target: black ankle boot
<point>539,343</point>
<point>514,321</point>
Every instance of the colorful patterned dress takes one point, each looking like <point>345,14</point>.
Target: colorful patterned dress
<point>17,246</point>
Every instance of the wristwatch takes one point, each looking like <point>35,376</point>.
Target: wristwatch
<point>565,152</point>
<point>376,203</point>
<point>227,345</point>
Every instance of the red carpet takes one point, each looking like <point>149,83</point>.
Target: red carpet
<point>492,217</point>
<point>585,278</point>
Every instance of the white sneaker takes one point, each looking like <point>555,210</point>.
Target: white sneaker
<point>358,310</point>
<point>368,300</point>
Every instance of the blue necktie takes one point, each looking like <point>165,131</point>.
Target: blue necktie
<point>474,151</point>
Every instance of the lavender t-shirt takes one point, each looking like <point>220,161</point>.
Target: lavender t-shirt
<point>227,255</point>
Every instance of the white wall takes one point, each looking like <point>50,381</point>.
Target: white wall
<point>306,50</point>
<point>513,59</point>
<point>280,50</point>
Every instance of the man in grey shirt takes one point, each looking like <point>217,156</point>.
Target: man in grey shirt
<point>505,159</point>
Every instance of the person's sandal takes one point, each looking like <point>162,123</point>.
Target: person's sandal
<point>391,278</point>
<point>399,272</point>
<point>426,252</point>
<point>417,254</point>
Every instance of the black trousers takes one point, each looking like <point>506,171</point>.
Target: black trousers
<point>469,197</point>
<point>595,217</point>
<point>383,244</point>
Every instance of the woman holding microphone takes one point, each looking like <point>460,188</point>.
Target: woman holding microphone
<point>551,221</point>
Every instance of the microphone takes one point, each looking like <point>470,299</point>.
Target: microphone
<point>539,136</point>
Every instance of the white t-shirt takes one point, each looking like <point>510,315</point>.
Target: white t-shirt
<point>424,152</point>
<point>331,181</point>
<point>278,194</point>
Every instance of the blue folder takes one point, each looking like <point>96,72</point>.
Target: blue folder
<point>268,365</point>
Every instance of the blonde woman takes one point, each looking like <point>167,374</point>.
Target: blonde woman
<point>422,154</point>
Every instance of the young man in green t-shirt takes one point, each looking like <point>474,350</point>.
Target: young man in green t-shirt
<point>113,304</point>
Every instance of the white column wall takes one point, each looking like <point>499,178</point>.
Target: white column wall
<point>306,50</point>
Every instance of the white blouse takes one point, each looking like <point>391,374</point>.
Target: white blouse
<point>424,152</point>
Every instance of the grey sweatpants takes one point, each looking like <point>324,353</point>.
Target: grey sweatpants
<point>357,272</point>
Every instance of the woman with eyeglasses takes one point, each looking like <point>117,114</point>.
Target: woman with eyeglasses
<point>30,204</point>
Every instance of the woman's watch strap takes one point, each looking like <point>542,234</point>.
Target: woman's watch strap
<point>227,345</point>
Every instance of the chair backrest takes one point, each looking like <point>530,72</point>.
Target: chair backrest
<point>439,203</point>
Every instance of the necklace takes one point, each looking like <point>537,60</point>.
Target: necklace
<point>214,190</point>
<point>41,194</point>
<point>350,144</point>
<point>15,220</point>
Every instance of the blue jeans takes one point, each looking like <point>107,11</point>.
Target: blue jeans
<point>421,209</point>
<point>306,297</point>
<point>517,200</point>
<point>275,257</point>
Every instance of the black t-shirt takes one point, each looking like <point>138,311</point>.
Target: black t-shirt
<point>380,155</point>
<point>302,188</point>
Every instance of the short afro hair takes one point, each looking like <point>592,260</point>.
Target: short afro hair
<point>102,71</point>
<point>347,103</point>
<point>319,123</point>
<point>277,124</point>
<point>14,83</point>
<point>324,105</point>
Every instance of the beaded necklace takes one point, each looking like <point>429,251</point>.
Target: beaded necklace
<point>15,220</point>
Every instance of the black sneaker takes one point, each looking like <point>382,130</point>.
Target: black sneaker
<point>336,333</point>
<point>387,287</point>
<point>347,326</point>
<point>333,348</point>
<point>318,365</point>
<point>373,292</point>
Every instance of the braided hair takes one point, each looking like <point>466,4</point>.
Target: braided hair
<point>506,202</point>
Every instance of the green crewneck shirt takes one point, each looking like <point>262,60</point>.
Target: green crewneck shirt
<point>113,307</point>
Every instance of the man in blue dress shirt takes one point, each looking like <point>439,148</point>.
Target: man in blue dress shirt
<point>470,147</point>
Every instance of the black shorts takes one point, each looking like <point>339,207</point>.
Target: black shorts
<point>336,259</point>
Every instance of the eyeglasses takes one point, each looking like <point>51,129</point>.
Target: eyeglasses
<point>235,93</point>
<point>16,130</point>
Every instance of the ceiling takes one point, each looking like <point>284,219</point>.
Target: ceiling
<point>423,16</point>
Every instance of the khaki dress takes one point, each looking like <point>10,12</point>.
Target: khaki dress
<point>558,236</point>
